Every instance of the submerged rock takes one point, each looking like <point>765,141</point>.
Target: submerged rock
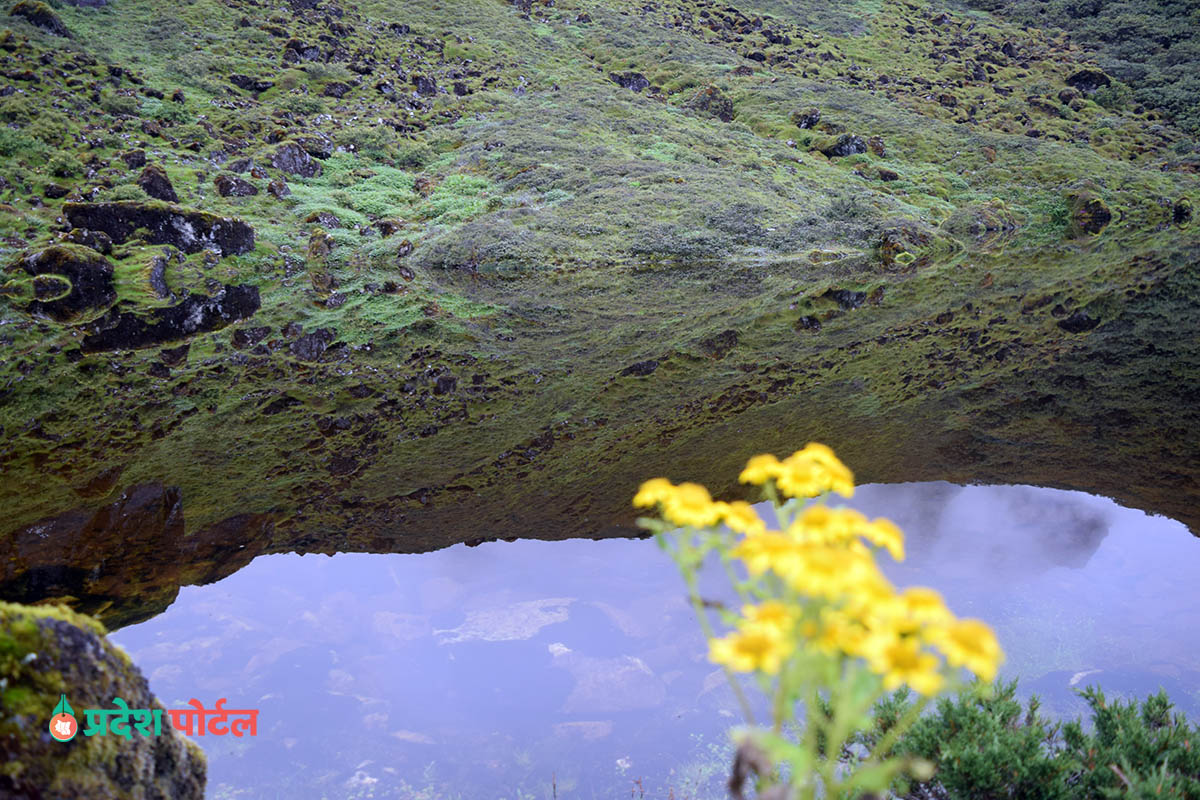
<point>196,314</point>
<point>51,651</point>
<point>190,231</point>
<point>83,284</point>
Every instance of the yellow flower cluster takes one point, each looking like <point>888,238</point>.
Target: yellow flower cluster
<point>690,504</point>
<point>838,600</point>
<point>805,473</point>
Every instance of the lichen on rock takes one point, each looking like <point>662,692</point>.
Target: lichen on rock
<point>49,651</point>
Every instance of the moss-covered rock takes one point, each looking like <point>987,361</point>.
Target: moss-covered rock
<point>49,651</point>
<point>67,283</point>
<point>187,229</point>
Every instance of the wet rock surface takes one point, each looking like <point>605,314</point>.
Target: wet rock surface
<point>50,651</point>
<point>196,314</point>
<point>190,231</point>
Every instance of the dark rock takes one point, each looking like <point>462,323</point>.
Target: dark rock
<point>336,89</point>
<point>325,219</point>
<point>404,249</point>
<point>758,56</point>
<point>240,166</point>
<point>336,300</point>
<point>1067,95</point>
<point>157,370</point>
<point>808,323</point>
<point>311,346</point>
<point>425,85</point>
<point>233,186</point>
<point>888,175</point>
<point>55,192</point>
<point>295,51</point>
<point>97,240</point>
<point>49,650</point>
<point>87,288</point>
<point>846,145</point>
<point>279,189</point>
<point>40,15</point>
<point>316,146</point>
<point>174,356</point>
<point>1009,49</point>
<point>641,369</point>
<point>246,83</point>
<point>947,100</point>
<point>387,227</point>
<point>248,337</point>
<point>806,119</point>
<point>1181,213</point>
<point>846,298</point>
<point>158,278</point>
<point>154,182</point>
<point>134,158</point>
<point>386,88</point>
<point>1089,214</point>
<point>405,273</point>
<point>177,96</point>
<point>711,102</point>
<point>1088,80</point>
<point>634,81</point>
<point>196,314</point>
<point>718,346</point>
<point>1079,322</point>
<point>876,146</point>
<point>294,159</point>
<point>445,384</point>
<point>190,231</point>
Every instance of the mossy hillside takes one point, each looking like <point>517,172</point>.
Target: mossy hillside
<point>550,229</point>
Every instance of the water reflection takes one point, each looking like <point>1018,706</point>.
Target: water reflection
<point>527,668</point>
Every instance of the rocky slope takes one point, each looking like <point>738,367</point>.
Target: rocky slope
<point>381,275</point>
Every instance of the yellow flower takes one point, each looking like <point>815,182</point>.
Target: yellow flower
<point>841,632</point>
<point>971,643</point>
<point>884,533</point>
<point>813,471</point>
<point>902,661</point>
<point>653,492</point>
<point>740,516</point>
<point>770,614</point>
<point>767,550</point>
<point>690,504</point>
<point>830,571</point>
<point>760,469</point>
<point>821,524</point>
<point>757,648</point>
<point>925,606</point>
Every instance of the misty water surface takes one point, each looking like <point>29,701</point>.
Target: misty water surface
<point>521,669</point>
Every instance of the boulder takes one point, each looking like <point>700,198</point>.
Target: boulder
<point>188,230</point>
<point>49,650</point>
<point>40,15</point>
<point>1088,80</point>
<point>69,282</point>
<point>249,84</point>
<point>294,159</point>
<point>1089,214</point>
<point>634,81</point>
<point>807,119</point>
<point>196,314</point>
<point>233,186</point>
<point>847,144</point>
<point>154,182</point>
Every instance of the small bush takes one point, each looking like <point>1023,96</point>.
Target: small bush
<point>120,105</point>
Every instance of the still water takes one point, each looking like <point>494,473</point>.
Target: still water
<point>575,669</point>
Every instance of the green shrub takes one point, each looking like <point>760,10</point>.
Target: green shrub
<point>986,744</point>
<point>119,104</point>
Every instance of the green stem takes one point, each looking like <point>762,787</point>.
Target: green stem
<point>709,634</point>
